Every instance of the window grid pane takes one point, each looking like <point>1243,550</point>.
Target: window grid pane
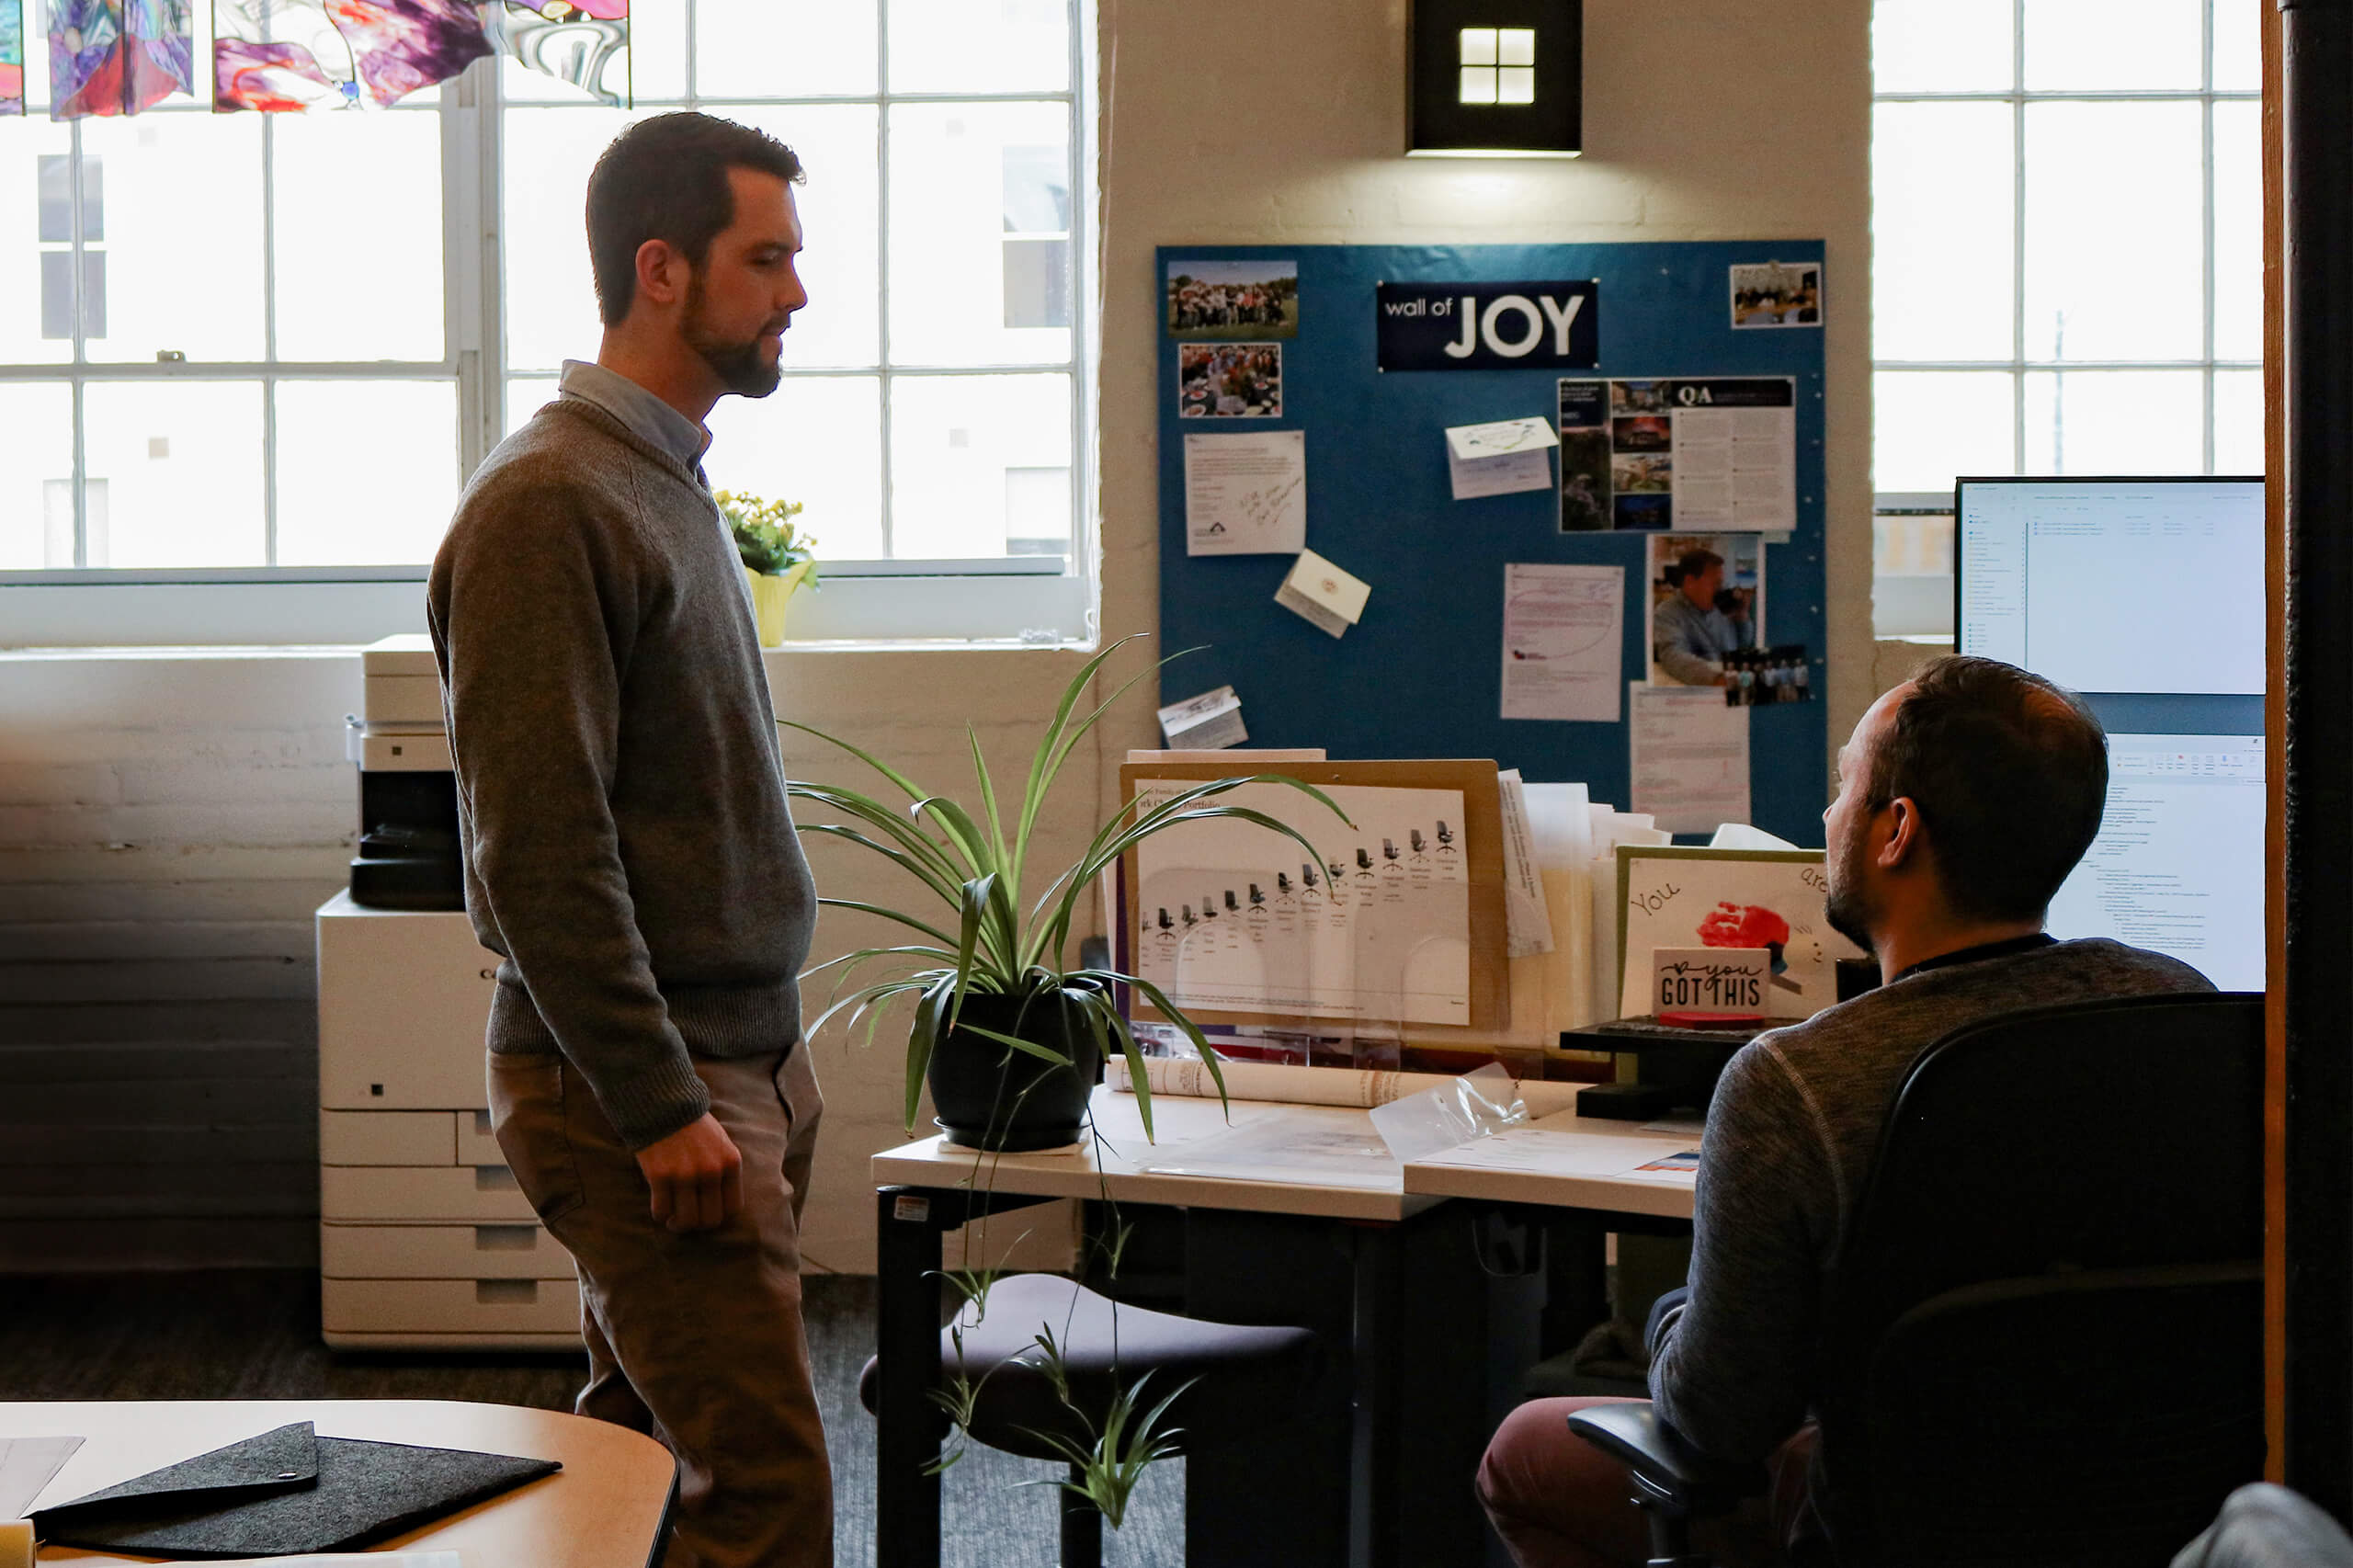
<point>2119,353</point>
<point>896,156</point>
<point>1027,322</point>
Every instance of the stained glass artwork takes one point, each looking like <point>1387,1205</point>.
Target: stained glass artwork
<point>584,43</point>
<point>117,56</point>
<point>12,57</point>
<point>304,54</point>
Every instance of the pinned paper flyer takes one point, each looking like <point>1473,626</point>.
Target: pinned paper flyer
<point>1323,595</point>
<point>1502,457</point>
<point>1210,722</point>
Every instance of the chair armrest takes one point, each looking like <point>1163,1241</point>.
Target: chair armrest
<point>1667,1470</point>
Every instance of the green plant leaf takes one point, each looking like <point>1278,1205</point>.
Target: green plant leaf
<point>1012,873</point>
<point>963,832</point>
<point>976,900</point>
<point>888,913</point>
<point>1054,747</point>
<point>1029,1047</point>
<point>869,993</point>
<point>930,877</point>
<point>923,1039</point>
<point>865,955</point>
<point>1169,1010</point>
<point>906,834</point>
<point>913,791</point>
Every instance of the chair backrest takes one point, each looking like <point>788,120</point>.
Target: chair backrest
<point>2044,1335</point>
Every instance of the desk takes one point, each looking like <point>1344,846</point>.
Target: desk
<point>1584,1163</point>
<point>607,1508</point>
<point>1342,1483</point>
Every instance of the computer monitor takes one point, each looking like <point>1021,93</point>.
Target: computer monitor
<point>2142,585</point>
<point>2146,597</point>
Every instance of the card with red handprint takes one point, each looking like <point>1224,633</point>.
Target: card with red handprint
<point>1733,900</point>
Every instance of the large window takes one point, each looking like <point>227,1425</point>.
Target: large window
<point>274,344</point>
<point>2066,245</point>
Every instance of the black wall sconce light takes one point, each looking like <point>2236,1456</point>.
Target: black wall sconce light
<point>1495,79</point>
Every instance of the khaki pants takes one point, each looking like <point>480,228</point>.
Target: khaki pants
<point>694,1337</point>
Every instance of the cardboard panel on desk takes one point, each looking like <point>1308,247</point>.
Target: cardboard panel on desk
<point>1421,674</point>
<point>1482,866</point>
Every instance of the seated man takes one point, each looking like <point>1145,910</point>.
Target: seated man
<point>1689,634</point>
<point>1964,800</point>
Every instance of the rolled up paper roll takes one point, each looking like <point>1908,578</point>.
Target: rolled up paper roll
<point>16,1543</point>
<point>1321,1085</point>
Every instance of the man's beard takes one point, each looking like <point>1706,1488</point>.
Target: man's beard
<point>1844,909</point>
<point>738,366</point>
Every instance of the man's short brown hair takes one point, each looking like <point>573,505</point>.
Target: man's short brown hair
<point>665,178</point>
<point>2009,773</point>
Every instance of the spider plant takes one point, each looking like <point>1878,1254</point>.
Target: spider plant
<point>1003,932</point>
<point>1106,1466</point>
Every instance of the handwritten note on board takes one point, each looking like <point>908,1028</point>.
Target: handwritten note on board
<point>1245,495</point>
<point>1560,640</point>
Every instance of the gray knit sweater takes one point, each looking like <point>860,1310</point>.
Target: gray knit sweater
<point>621,791</point>
<point>1791,1136</point>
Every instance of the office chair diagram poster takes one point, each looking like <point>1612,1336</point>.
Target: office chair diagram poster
<point>1773,899</point>
<point>1231,918</point>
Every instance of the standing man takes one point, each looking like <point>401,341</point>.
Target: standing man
<point>1689,636</point>
<point>629,852</point>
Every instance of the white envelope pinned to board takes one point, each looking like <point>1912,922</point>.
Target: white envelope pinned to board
<point>1502,456</point>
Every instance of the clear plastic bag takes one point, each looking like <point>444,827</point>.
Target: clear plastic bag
<point>1457,1111</point>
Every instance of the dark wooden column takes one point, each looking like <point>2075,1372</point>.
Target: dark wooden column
<point>2315,696</point>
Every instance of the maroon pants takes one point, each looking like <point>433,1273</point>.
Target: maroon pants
<point>1558,1502</point>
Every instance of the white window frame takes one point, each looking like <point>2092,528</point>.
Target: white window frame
<point>1030,601</point>
<point>1916,608</point>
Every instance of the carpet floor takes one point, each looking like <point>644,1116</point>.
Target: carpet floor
<point>255,1335</point>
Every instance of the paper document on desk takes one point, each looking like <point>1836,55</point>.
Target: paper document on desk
<point>1340,1152</point>
<point>1677,1168</point>
<point>26,1466</point>
<point>1538,1150</point>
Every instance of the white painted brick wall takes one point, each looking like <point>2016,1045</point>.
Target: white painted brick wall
<point>169,823</point>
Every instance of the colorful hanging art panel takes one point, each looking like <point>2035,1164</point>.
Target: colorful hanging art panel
<point>12,57</point>
<point>304,54</point>
<point>585,43</point>
<point>117,56</point>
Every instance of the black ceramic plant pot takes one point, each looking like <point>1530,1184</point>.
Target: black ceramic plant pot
<point>989,1096</point>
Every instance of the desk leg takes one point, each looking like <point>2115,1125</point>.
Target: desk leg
<point>1576,1278</point>
<point>906,1423</point>
<point>1373,1449</point>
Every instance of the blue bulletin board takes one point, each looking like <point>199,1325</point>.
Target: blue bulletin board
<point>1420,676</point>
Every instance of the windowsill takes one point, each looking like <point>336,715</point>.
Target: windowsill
<point>279,619</point>
<point>226,654</point>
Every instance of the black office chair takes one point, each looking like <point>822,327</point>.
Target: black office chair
<point>1242,1379</point>
<point>2043,1340</point>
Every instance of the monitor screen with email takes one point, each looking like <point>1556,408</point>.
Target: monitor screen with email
<point>2148,585</point>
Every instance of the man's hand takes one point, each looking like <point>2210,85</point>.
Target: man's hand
<point>697,1175</point>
